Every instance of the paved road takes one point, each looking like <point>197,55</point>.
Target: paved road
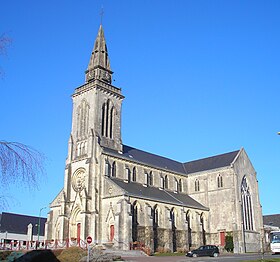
<point>221,258</point>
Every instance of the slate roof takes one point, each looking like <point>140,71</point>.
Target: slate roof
<point>153,193</point>
<point>209,163</point>
<point>149,159</point>
<point>143,157</point>
<point>272,220</point>
<point>15,223</point>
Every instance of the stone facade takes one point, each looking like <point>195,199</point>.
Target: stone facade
<point>225,202</point>
<point>122,196</point>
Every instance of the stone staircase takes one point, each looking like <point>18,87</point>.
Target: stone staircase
<point>107,254</point>
<point>125,253</point>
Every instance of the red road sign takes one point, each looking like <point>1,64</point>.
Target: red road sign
<point>89,239</point>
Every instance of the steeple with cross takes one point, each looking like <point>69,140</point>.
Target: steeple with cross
<point>99,64</point>
<point>98,110</point>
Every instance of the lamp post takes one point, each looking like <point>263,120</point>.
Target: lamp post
<point>39,224</point>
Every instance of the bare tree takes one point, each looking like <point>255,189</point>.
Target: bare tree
<point>19,163</point>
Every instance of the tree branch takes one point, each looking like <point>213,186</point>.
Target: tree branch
<point>20,163</point>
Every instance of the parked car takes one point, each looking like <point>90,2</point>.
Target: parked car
<point>207,250</point>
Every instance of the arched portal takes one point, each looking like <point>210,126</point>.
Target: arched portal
<point>75,224</point>
<point>57,231</point>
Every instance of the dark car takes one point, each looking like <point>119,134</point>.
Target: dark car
<point>208,250</point>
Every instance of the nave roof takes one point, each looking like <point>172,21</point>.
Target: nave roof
<point>186,168</point>
<point>137,190</point>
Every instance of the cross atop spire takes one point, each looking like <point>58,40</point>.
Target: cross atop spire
<point>99,64</point>
<point>101,15</point>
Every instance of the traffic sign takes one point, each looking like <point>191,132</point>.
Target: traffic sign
<point>89,239</point>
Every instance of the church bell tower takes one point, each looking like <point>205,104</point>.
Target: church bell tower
<point>96,124</point>
<point>97,104</point>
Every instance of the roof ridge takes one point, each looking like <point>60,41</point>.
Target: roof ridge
<point>153,154</point>
<point>210,163</point>
<point>174,197</point>
<point>213,156</point>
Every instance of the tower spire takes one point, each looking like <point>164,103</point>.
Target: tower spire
<point>99,64</point>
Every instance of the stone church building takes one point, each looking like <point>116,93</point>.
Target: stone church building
<point>121,195</point>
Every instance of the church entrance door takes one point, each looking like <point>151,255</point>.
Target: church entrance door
<point>78,233</point>
<point>222,239</point>
<point>112,233</point>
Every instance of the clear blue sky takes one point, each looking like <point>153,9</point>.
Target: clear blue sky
<point>200,78</point>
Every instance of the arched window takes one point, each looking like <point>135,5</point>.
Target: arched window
<point>202,222</point>
<point>180,186</point>
<point>127,174</point>
<point>107,121</point>
<point>114,170</point>
<point>134,213</point>
<point>103,121</point>
<point>134,174</point>
<point>155,216</point>
<point>173,217</point>
<point>161,182</point>
<point>173,227</point>
<point>107,168</point>
<point>146,183</point>
<point>82,120</point>
<point>166,182</point>
<point>188,220</point>
<point>176,185</point>
<point>112,113</point>
<point>151,179</point>
<point>196,185</point>
<point>247,210</point>
<point>83,148</point>
<point>220,181</point>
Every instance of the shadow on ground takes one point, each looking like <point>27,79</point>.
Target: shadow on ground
<point>38,256</point>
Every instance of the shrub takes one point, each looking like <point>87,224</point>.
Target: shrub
<point>181,250</point>
<point>57,252</point>
<point>4,254</point>
<point>160,249</point>
<point>72,254</point>
<point>229,243</point>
